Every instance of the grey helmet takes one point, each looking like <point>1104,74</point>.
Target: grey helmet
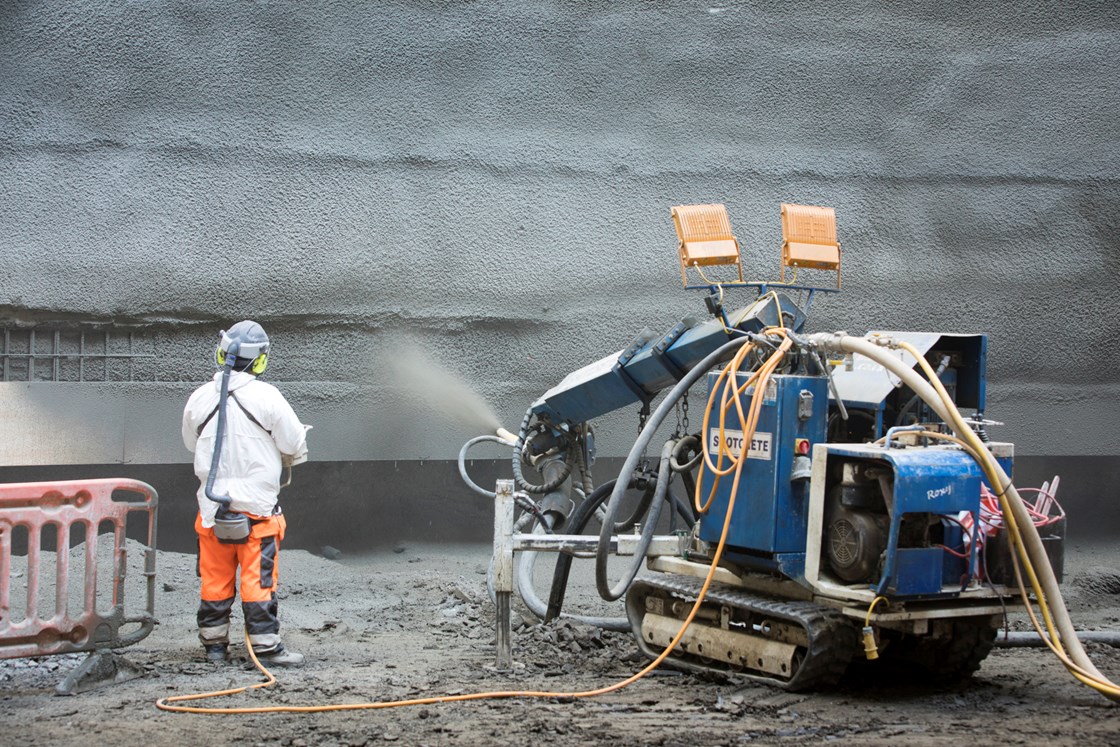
<point>250,344</point>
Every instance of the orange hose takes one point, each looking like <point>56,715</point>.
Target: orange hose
<point>763,375</point>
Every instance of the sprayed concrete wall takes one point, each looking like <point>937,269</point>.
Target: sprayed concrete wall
<point>486,186</point>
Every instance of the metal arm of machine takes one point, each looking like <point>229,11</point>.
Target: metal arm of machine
<point>654,363</point>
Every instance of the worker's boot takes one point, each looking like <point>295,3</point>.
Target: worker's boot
<point>216,653</point>
<point>281,657</point>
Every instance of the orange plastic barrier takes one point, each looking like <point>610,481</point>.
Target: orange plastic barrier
<point>59,525</point>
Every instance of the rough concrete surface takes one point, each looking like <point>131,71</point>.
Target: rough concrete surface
<point>483,190</point>
<point>416,622</point>
<point>493,181</point>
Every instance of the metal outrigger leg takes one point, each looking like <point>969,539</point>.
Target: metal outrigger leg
<point>503,571</point>
<point>506,543</point>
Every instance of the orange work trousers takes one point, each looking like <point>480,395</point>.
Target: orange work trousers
<point>257,560</point>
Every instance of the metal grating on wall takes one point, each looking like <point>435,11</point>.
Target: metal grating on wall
<point>56,355</point>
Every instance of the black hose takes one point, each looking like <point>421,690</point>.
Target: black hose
<point>639,511</point>
<point>636,451</point>
<point>690,492</point>
<point>1032,639</point>
<point>578,521</point>
<point>525,485</point>
<point>683,509</point>
<point>660,491</point>
<point>586,483</point>
<point>576,524</point>
<point>684,445</point>
<point>529,505</point>
<point>685,469</point>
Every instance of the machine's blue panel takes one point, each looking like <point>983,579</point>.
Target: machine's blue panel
<point>771,511</point>
<point>919,572</point>
<point>934,480</point>
<point>937,480</point>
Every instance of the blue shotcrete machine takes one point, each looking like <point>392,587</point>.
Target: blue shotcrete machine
<point>828,513</point>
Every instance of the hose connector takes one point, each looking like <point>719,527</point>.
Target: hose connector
<point>882,340</point>
<point>829,342</point>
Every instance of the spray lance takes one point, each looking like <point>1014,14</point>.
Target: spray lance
<point>230,527</point>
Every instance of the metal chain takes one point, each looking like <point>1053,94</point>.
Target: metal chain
<point>684,412</point>
<point>643,415</point>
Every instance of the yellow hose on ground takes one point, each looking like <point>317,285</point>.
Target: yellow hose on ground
<point>169,704</point>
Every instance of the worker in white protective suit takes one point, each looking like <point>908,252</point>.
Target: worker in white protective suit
<point>261,435</point>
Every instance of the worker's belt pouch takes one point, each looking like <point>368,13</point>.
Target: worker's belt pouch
<point>231,528</point>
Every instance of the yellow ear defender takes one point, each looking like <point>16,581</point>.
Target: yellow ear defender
<point>257,367</point>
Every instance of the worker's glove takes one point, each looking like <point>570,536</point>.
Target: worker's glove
<point>289,460</point>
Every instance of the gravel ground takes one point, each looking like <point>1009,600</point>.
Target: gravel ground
<point>416,620</point>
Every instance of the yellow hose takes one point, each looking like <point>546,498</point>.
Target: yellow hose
<point>1014,512</point>
<point>168,704</point>
<point>1026,543</point>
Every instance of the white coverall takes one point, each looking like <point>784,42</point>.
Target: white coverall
<point>262,431</point>
<point>250,467</point>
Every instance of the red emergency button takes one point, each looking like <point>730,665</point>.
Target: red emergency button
<point>801,446</point>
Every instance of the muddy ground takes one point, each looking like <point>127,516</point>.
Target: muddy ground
<point>416,620</point>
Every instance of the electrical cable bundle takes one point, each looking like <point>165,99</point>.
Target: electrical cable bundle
<point>1044,512</point>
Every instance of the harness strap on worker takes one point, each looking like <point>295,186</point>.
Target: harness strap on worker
<point>233,396</point>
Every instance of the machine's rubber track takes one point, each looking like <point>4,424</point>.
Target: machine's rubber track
<point>832,638</point>
<point>956,656</point>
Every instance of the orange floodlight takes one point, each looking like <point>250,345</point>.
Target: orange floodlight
<point>705,238</point>
<point>809,239</point>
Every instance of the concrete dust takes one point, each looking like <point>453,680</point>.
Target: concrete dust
<point>447,396</point>
<point>390,625</point>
